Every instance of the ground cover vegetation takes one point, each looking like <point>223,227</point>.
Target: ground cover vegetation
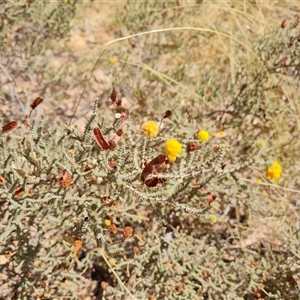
<point>158,160</point>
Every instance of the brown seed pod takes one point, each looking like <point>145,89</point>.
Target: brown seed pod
<point>168,114</point>
<point>9,127</point>
<point>115,138</point>
<point>36,102</point>
<point>112,144</point>
<point>118,102</point>
<point>113,95</point>
<point>120,132</point>
<point>156,165</point>
<point>100,140</point>
<point>2,181</point>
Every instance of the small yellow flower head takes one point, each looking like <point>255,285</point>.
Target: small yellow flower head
<point>172,149</point>
<point>107,222</point>
<point>232,277</point>
<point>203,135</point>
<point>112,262</point>
<point>70,153</point>
<point>274,171</point>
<point>112,60</point>
<point>150,129</point>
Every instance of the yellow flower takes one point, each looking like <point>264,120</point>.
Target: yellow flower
<point>150,129</point>
<point>172,149</point>
<point>112,60</point>
<point>112,262</point>
<point>203,135</point>
<point>274,171</point>
<point>107,222</point>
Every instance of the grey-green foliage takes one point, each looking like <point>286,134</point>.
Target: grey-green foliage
<point>39,207</point>
<point>174,247</point>
<point>247,96</point>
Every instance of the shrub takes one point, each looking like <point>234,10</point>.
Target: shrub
<point>54,184</point>
<point>128,203</point>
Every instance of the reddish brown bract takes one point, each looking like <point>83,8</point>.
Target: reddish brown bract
<point>100,140</point>
<point>36,102</point>
<point>120,132</point>
<point>113,95</point>
<point>9,127</point>
<point>168,114</point>
<point>156,165</point>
